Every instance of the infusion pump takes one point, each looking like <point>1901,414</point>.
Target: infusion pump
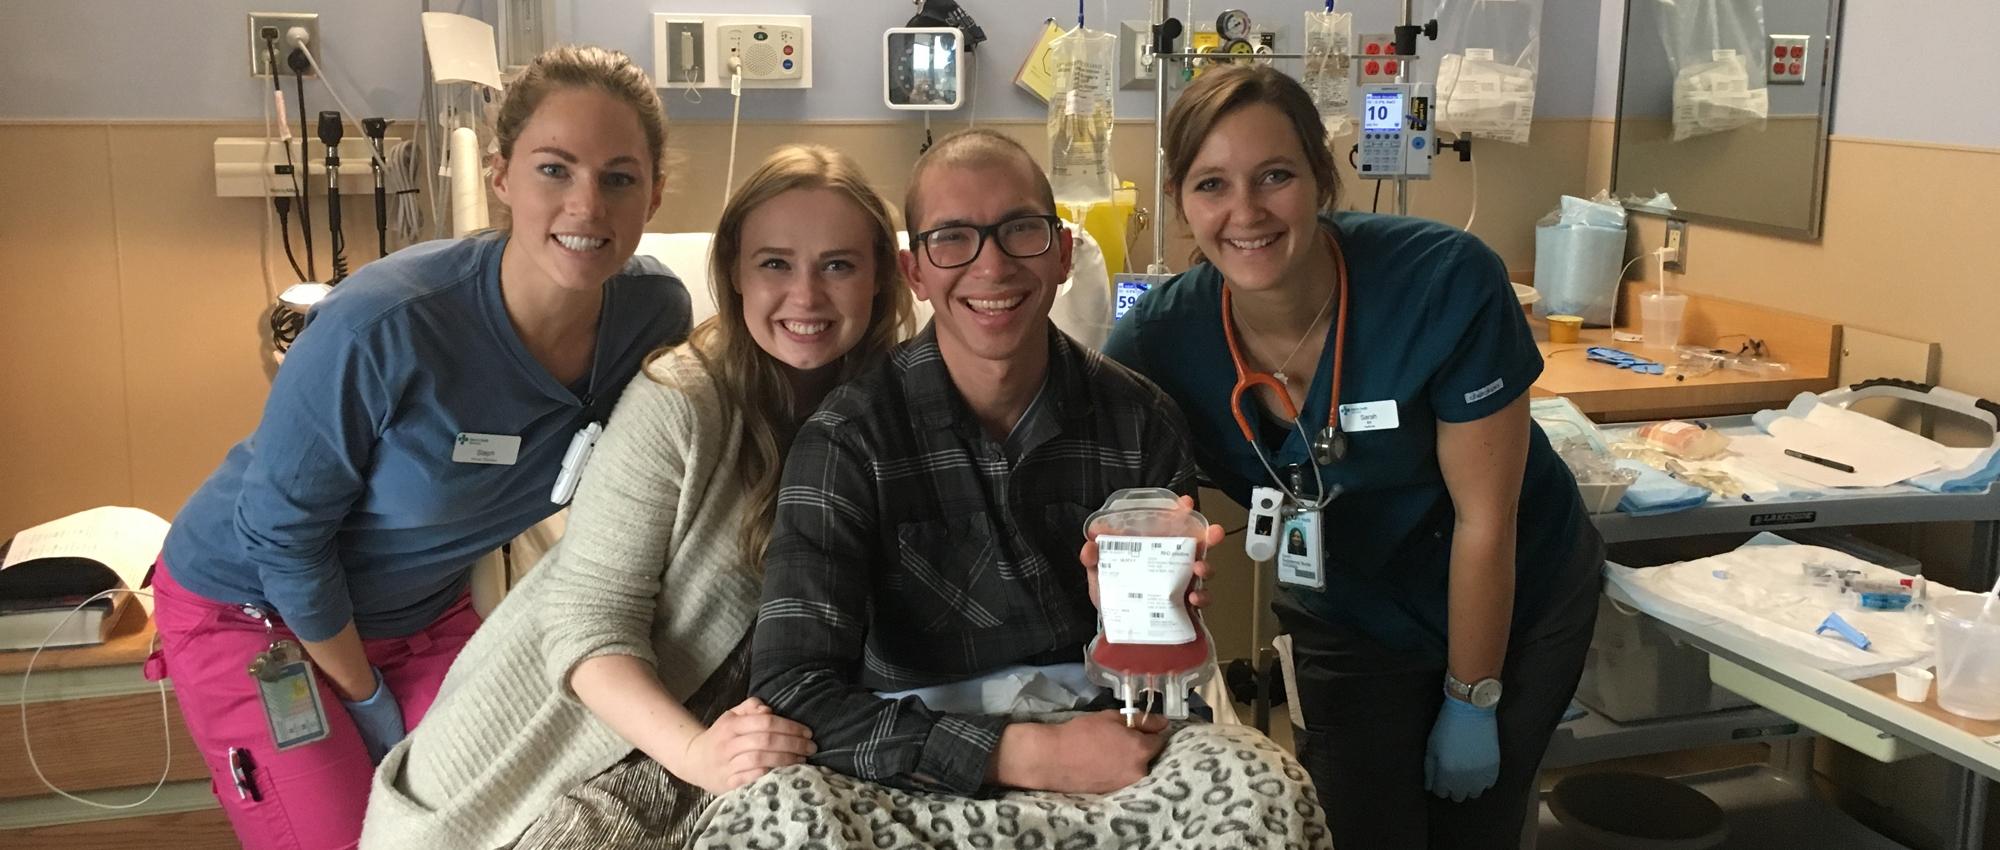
<point>1396,135</point>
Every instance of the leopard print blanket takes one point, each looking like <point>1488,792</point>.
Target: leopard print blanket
<point>1214,786</point>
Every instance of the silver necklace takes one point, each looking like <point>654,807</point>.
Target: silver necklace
<point>1279,372</point>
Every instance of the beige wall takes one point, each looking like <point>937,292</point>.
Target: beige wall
<point>1904,251</point>
<point>131,296</point>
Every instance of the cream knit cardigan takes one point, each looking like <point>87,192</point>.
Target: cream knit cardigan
<point>650,567</point>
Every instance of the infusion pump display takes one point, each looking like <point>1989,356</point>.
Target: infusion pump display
<point>1396,135</point>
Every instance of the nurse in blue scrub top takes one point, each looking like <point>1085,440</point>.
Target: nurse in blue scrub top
<point>1439,624</point>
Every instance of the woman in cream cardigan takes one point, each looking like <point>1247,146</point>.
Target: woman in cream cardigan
<point>603,701</point>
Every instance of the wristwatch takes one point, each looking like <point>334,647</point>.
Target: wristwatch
<point>1482,694</point>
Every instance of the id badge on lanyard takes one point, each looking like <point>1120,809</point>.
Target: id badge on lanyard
<point>1301,562</point>
<point>290,695</point>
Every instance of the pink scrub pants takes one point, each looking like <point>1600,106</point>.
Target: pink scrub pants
<point>310,797</point>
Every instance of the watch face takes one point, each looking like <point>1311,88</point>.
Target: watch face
<point>1486,694</point>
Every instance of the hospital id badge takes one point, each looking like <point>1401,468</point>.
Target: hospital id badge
<point>290,695</point>
<point>1300,560</point>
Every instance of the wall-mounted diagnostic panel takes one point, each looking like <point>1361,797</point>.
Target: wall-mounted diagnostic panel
<point>702,51</point>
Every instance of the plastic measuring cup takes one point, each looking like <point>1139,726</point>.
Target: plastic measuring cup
<point>1660,317</point>
<point>1968,649</point>
<point>1148,639</point>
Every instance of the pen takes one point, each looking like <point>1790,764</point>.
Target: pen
<point>239,774</point>
<point>1829,464</point>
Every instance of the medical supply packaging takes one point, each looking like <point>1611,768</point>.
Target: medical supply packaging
<point>1489,53</point>
<point>1717,50</point>
<point>1578,249</point>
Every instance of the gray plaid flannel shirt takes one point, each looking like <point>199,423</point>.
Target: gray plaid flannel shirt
<point>910,550</point>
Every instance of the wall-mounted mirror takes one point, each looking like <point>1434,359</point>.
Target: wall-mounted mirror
<point>920,68</point>
<point>1723,108</point>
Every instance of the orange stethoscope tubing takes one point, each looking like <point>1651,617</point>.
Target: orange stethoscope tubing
<point>1246,379</point>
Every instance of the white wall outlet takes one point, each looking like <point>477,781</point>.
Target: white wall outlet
<point>279,24</point>
<point>1788,59</point>
<point>1674,258</point>
<point>254,168</point>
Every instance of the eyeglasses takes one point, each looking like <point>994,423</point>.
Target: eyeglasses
<point>1019,237</point>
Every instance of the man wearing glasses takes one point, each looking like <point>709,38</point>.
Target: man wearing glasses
<point>925,548</point>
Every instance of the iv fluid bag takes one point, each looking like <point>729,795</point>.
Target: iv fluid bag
<point>1080,116</point>
<point>1148,639</point>
<point>1329,44</point>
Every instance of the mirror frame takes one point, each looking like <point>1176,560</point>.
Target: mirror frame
<point>1827,69</point>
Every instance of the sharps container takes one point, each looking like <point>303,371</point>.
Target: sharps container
<point>1148,640</point>
<point>1968,651</point>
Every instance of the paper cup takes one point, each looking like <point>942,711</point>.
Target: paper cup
<point>1913,684</point>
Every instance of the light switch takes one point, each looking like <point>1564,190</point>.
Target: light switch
<point>1788,59</point>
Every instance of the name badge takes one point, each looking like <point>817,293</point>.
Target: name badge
<point>1369,416</point>
<point>497,449</point>
<point>1300,558</point>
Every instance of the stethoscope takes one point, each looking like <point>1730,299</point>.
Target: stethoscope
<point>1330,446</point>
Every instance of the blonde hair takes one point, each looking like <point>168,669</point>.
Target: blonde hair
<point>583,66</point>
<point>744,373</point>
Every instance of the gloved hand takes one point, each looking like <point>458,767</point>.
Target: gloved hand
<point>1464,756</point>
<point>379,719</point>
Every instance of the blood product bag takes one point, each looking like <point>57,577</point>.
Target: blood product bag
<point>1149,641</point>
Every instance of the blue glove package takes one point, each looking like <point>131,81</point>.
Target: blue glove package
<point>379,719</point>
<point>1464,755</point>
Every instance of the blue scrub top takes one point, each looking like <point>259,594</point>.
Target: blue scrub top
<point>1436,329</point>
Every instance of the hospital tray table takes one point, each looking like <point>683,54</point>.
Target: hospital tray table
<point>1791,688</point>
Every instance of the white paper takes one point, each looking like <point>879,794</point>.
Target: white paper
<point>1140,582</point>
<point>461,49</point>
<point>1880,456</point>
<point>125,539</point>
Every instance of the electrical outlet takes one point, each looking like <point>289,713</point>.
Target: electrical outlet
<point>1788,59</point>
<point>1676,257</point>
<point>260,55</point>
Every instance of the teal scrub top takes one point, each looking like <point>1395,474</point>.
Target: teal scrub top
<point>1436,329</point>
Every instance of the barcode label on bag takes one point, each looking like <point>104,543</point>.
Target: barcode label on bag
<point>1143,581</point>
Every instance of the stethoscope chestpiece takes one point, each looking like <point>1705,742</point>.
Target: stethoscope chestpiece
<point>1330,447</point>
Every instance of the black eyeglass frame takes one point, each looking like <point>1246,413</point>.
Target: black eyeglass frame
<point>990,233</point>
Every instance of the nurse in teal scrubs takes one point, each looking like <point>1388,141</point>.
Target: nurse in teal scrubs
<point>1439,633</point>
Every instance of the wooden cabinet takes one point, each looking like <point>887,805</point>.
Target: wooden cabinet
<point>96,727</point>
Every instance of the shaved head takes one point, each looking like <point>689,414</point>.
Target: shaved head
<point>974,148</point>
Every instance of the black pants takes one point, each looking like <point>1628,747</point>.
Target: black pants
<point>1369,711</point>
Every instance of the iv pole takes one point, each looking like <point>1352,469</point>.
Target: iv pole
<point>1165,30</point>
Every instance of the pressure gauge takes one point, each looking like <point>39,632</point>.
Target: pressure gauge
<point>1233,25</point>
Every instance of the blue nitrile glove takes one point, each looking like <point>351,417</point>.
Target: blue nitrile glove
<point>379,719</point>
<point>1464,756</point>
